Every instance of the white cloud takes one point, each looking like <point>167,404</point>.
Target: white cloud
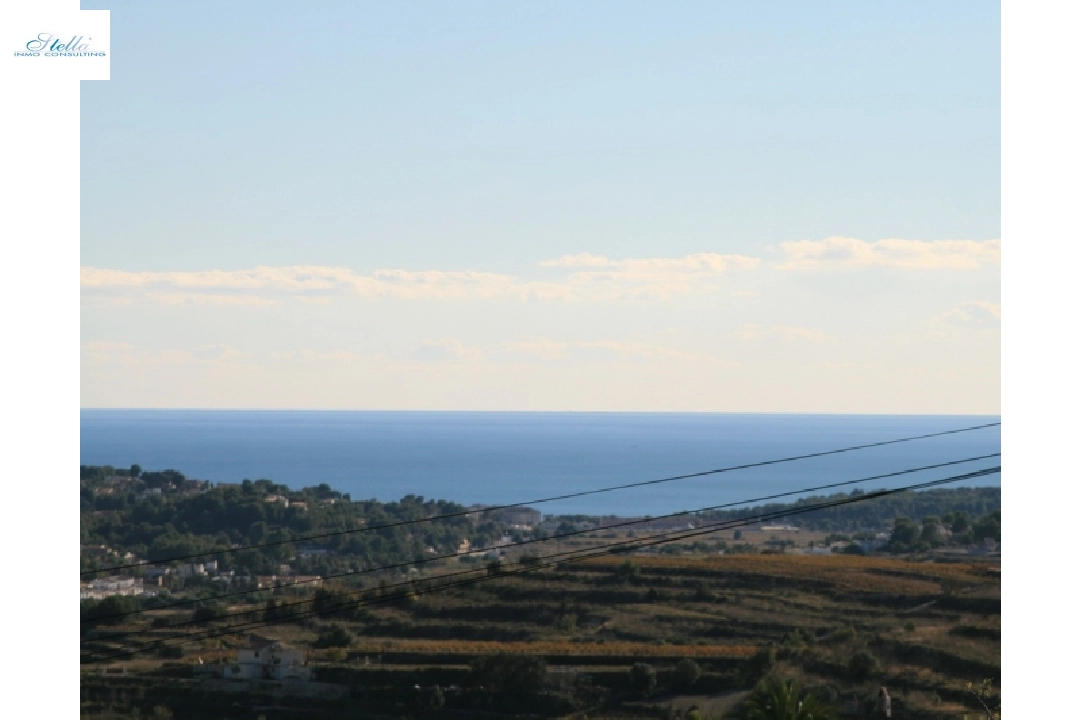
<point>263,285</point>
<point>604,351</point>
<point>303,355</point>
<point>625,351</point>
<point>712,263</point>
<point>446,350</point>
<point>909,254</point>
<point>584,277</point>
<point>786,333</point>
<point>305,283</point>
<point>533,347</point>
<point>975,314</point>
<point>650,277</point>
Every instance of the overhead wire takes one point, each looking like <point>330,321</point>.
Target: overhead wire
<point>543,562</point>
<point>539,501</point>
<point>559,536</point>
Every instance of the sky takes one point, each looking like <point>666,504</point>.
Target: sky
<point>722,207</point>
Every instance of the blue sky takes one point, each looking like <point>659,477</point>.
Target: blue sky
<point>497,138</point>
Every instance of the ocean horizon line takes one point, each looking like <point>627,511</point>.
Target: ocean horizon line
<point>542,412</point>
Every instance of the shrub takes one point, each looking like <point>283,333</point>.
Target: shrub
<point>760,663</point>
<point>92,610</point>
<point>566,622</point>
<point>335,637</point>
<point>642,679</point>
<point>776,699</point>
<point>687,673</point>
<point>509,674</point>
<point>208,611</point>
<point>863,666</point>
<point>628,571</point>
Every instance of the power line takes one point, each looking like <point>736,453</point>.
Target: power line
<point>540,501</point>
<point>628,523</point>
<point>543,562</point>
<point>605,549</point>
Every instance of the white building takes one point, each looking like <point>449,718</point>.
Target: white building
<point>102,588</point>
<point>191,569</point>
<point>266,659</point>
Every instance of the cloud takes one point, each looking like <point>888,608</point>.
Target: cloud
<point>649,277</point>
<point>652,269</point>
<point>785,333</point>
<point>908,254</point>
<point>446,350</point>
<point>585,277</point>
<point>533,347</point>
<point>121,354</point>
<point>263,285</point>
<point>639,351</point>
<point>712,263</point>
<point>974,314</point>
<point>604,351</point>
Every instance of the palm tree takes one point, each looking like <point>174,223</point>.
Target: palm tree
<point>775,699</point>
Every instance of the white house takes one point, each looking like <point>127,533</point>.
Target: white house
<point>266,659</point>
<point>277,499</point>
<point>191,569</point>
<point>102,588</point>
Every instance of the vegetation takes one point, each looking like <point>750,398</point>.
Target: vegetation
<point>689,633</point>
<point>776,699</point>
<point>879,512</point>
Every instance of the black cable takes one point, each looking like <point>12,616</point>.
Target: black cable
<point>590,552</point>
<point>540,501</point>
<point>395,566</point>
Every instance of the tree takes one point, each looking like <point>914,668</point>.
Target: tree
<point>628,571</point>
<point>135,471</point>
<point>642,679</point>
<point>336,636</point>
<point>930,532</point>
<point>687,673</point>
<point>775,699</point>
<point>862,666</point>
<point>509,674</point>
<point>904,535</point>
<point>987,698</point>
<point>111,610</point>
<point>760,663</point>
<point>208,611</point>
<point>958,521</point>
<point>530,561</point>
<point>987,527</point>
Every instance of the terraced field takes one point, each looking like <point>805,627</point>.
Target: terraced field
<point>842,624</point>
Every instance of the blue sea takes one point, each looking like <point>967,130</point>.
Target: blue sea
<point>498,457</point>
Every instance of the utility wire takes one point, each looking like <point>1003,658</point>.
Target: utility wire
<point>592,552</point>
<point>540,501</point>
<point>627,523</point>
<point>543,562</point>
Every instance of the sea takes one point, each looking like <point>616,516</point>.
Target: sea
<point>500,458</point>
